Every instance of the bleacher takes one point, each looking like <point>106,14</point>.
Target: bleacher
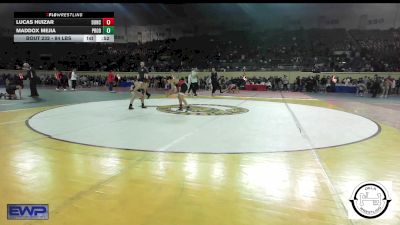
<point>298,50</point>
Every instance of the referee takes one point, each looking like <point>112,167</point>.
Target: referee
<point>31,75</point>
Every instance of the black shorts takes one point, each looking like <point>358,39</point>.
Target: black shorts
<point>11,89</point>
<point>215,84</point>
<point>183,89</point>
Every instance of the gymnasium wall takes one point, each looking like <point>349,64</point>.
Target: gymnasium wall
<point>291,74</point>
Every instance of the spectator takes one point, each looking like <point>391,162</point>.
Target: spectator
<point>387,83</point>
<point>64,80</point>
<point>334,80</point>
<point>361,89</point>
<point>73,79</point>
<point>285,82</point>
<point>375,87</point>
<point>393,87</point>
<point>110,81</point>
<point>322,86</point>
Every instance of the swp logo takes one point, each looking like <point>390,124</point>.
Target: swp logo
<point>27,212</point>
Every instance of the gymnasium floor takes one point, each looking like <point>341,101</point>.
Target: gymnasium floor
<point>273,158</point>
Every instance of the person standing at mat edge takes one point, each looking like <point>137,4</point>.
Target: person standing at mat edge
<point>31,75</point>
<point>140,85</point>
<point>73,79</point>
<point>375,86</point>
<point>193,82</point>
<point>110,81</point>
<point>215,82</point>
<point>57,76</point>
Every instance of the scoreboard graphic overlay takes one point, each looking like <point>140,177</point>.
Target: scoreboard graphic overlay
<point>64,26</point>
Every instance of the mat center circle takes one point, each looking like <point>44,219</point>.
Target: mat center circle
<point>203,109</point>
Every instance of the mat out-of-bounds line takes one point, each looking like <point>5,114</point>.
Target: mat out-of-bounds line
<point>318,160</point>
<point>255,96</point>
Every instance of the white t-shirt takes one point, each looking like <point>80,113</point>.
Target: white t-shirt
<point>73,75</point>
<point>193,77</point>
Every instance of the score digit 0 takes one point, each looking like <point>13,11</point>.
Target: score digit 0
<point>108,30</point>
<point>108,21</point>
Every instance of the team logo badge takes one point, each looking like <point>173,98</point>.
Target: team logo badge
<point>370,200</point>
<point>203,109</point>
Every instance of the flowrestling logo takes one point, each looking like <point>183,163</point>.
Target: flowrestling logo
<point>27,212</point>
<point>370,200</point>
